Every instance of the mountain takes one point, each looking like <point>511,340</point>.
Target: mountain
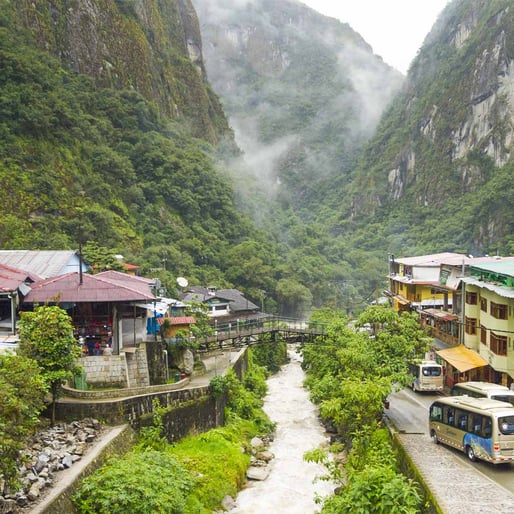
<point>326,161</point>
<point>303,93</point>
<point>438,171</point>
<point>107,127</point>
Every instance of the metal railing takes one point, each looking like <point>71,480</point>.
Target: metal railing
<point>240,329</point>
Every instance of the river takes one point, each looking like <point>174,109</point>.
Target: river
<point>291,486</point>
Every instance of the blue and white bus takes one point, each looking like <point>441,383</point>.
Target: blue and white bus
<point>480,427</point>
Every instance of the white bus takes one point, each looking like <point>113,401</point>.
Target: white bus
<point>426,376</point>
<point>484,390</point>
<point>480,427</point>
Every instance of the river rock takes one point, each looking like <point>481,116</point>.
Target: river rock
<point>50,450</point>
<point>257,473</point>
<point>256,442</point>
<point>266,456</point>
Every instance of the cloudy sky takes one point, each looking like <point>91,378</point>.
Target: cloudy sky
<point>394,28</point>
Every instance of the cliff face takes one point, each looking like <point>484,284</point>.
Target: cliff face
<point>152,46</point>
<point>447,142</point>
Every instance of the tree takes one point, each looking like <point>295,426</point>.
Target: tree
<point>22,393</point>
<point>46,335</point>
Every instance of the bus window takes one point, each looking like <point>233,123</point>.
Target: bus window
<point>448,415</point>
<point>504,398</point>
<point>463,421</point>
<point>475,424</point>
<point>432,371</point>
<point>487,427</point>
<point>506,425</point>
<point>436,412</point>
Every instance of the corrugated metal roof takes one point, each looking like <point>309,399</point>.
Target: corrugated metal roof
<point>434,259</point>
<point>238,302</point>
<point>181,320</point>
<point>503,266</point>
<point>445,316</point>
<point>44,263</point>
<point>504,291</point>
<point>94,288</point>
<point>11,279</point>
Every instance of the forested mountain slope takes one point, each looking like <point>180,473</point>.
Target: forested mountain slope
<point>100,106</point>
<point>438,173</point>
<point>111,134</point>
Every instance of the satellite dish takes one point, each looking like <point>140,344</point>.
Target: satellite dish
<point>182,282</point>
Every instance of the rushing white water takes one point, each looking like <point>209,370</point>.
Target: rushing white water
<point>291,486</point>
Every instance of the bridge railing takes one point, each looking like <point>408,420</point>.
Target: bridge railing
<point>248,328</point>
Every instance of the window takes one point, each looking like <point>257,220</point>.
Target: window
<point>498,310</point>
<point>472,298</point>
<point>436,412</point>
<point>471,326</point>
<point>483,304</point>
<point>483,334</point>
<point>498,344</point>
<point>475,426</point>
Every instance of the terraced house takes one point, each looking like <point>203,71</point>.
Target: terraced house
<point>488,319</point>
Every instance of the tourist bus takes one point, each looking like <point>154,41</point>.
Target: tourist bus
<point>426,376</point>
<point>484,390</point>
<point>480,427</point>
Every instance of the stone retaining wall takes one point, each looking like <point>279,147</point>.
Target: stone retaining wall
<point>105,370</point>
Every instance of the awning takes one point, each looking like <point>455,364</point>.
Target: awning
<point>462,358</point>
<point>401,300</point>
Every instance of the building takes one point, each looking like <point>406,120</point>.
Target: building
<point>44,263</point>
<point>14,284</point>
<point>464,302</point>
<point>224,305</point>
<point>414,282</point>
<point>488,316</point>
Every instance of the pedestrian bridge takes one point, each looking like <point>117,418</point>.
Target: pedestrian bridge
<point>248,332</point>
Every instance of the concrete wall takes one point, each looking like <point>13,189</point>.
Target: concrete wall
<point>190,418</point>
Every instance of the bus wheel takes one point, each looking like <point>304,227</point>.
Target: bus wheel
<point>434,437</point>
<point>471,454</point>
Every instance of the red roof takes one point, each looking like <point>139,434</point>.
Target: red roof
<point>12,278</point>
<point>182,320</point>
<point>94,288</point>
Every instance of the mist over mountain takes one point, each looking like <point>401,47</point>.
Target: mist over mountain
<point>303,93</point>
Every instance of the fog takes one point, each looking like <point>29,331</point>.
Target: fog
<point>302,92</point>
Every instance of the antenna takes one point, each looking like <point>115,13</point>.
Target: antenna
<point>182,282</point>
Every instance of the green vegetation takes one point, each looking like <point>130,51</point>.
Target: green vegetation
<point>127,484</point>
<point>191,476</point>
<point>22,392</point>
<point>46,336</point>
<point>127,151</point>
<point>350,374</point>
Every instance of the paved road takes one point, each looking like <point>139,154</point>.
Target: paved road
<point>459,486</point>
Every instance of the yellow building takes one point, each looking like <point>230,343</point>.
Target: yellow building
<point>414,282</point>
<point>489,316</point>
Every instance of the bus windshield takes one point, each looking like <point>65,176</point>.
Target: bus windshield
<point>432,371</point>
